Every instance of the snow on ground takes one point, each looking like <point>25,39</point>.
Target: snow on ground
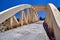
<point>33,31</point>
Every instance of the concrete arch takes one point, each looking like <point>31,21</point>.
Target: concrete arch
<point>11,11</point>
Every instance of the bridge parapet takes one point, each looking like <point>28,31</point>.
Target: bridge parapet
<point>53,20</point>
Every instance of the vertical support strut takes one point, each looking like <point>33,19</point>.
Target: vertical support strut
<point>25,19</point>
<point>11,22</point>
<point>21,17</point>
<point>28,15</point>
<point>31,17</point>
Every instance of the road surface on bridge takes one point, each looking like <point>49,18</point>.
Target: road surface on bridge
<point>33,31</point>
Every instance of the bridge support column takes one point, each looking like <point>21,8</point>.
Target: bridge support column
<point>23,19</point>
<point>28,15</point>
<point>31,15</point>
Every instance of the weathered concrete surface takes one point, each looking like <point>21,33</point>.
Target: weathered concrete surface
<point>33,31</point>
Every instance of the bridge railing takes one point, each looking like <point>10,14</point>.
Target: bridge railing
<point>8,19</point>
<point>54,20</point>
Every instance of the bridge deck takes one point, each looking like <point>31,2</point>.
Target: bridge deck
<point>33,31</point>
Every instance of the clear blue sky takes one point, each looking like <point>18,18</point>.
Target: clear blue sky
<point>5,4</point>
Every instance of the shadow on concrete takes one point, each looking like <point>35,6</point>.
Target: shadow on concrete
<point>50,35</point>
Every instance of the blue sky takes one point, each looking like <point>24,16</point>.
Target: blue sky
<point>5,4</point>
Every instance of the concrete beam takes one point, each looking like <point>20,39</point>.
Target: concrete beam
<point>39,8</point>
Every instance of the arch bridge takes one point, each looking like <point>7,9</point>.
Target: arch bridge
<point>9,21</point>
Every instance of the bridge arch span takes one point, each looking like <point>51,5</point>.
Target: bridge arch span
<point>52,17</point>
